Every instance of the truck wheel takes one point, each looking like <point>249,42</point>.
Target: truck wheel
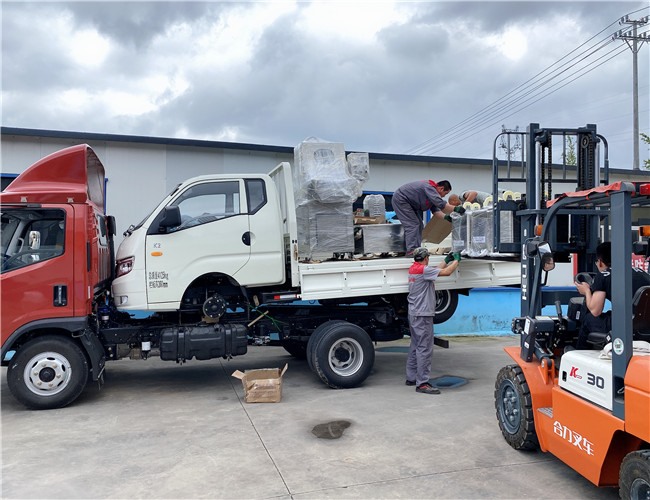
<point>514,406</point>
<point>297,349</point>
<point>634,478</point>
<point>48,372</point>
<point>344,356</point>
<point>315,337</point>
<point>446,304</point>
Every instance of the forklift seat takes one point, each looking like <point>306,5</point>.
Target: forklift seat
<point>641,310</point>
<point>640,320</point>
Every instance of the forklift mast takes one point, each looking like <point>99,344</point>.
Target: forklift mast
<point>575,233</point>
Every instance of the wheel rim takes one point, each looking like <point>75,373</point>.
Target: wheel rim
<point>640,488</point>
<point>345,357</point>
<point>509,407</point>
<point>47,373</point>
<point>442,301</point>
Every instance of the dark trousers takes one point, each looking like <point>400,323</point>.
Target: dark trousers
<point>591,323</point>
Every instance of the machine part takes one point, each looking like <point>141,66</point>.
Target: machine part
<point>344,356</point>
<point>203,342</point>
<point>215,307</point>
<point>634,477</point>
<point>48,372</point>
<point>297,349</point>
<point>514,408</point>
<point>446,304</point>
<point>315,337</point>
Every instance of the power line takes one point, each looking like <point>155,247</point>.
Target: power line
<point>537,83</point>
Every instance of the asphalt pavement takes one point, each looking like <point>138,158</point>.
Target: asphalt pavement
<point>158,430</point>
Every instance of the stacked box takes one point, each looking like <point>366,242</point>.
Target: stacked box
<point>326,184</point>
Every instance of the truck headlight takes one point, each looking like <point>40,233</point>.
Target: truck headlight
<point>125,266</point>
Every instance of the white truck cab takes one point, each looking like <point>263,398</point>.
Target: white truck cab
<point>208,225</point>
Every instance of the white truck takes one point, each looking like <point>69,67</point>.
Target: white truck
<point>216,266</point>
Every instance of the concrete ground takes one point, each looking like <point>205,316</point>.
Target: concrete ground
<point>160,430</point>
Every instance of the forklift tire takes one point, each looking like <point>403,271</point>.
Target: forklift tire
<point>446,304</point>
<point>634,478</point>
<point>48,372</point>
<point>514,408</point>
<point>315,337</point>
<point>344,356</point>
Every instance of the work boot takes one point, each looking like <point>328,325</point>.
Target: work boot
<point>427,388</point>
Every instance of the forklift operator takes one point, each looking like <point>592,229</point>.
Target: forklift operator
<point>594,319</point>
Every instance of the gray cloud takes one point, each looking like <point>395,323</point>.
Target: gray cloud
<point>422,74</point>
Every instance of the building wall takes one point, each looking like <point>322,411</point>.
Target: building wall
<point>141,171</point>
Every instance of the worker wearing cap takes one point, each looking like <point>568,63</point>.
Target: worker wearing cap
<point>411,200</point>
<point>421,310</point>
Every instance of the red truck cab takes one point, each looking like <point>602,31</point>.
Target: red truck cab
<point>57,253</point>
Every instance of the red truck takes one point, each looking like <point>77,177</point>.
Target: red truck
<point>48,294</point>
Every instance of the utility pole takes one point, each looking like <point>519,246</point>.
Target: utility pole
<point>632,40</point>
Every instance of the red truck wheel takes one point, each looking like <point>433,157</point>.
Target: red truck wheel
<point>48,372</point>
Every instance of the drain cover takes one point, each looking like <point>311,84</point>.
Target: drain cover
<point>448,381</point>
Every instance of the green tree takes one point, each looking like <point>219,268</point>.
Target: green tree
<point>570,151</point>
<point>645,138</point>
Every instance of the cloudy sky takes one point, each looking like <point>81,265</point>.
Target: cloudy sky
<point>428,77</point>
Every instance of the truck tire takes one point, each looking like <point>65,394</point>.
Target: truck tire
<point>514,407</point>
<point>446,304</point>
<point>344,356</point>
<point>315,337</point>
<point>48,372</point>
<point>634,477</point>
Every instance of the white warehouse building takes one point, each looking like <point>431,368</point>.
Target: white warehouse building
<point>141,170</point>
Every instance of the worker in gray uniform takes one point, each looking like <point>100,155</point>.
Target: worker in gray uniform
<point>411,200</point>
<point>421,310</point>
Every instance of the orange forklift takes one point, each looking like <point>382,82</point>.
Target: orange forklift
<point>590,408</point>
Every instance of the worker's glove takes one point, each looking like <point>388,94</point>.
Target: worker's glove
<point>447,218</point>
<point>457,256</point>
<point>449,258</point>
<point>459,210</point>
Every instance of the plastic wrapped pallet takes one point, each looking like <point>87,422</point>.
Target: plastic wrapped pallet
<point>459,233</point>
<point>326,184</point>
<point>481,232</point>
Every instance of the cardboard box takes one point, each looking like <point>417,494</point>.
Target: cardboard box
<point>436,230</point>
<point>263,385</point>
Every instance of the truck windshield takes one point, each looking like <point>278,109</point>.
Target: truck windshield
<point>31,235</point>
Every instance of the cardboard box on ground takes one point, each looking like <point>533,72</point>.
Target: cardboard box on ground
<point>263,385</point>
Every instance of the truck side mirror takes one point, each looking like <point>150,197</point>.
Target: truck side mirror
<point>171,217</point>
<point>111,227</point>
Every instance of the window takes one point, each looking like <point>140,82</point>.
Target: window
<point>208,202</point>
<point>30,236</point>
<point>256,195</point>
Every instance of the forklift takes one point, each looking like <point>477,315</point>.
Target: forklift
<point>589,408</point>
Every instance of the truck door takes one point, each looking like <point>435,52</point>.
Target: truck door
<point>37,274</point>
<point>210,239</point>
